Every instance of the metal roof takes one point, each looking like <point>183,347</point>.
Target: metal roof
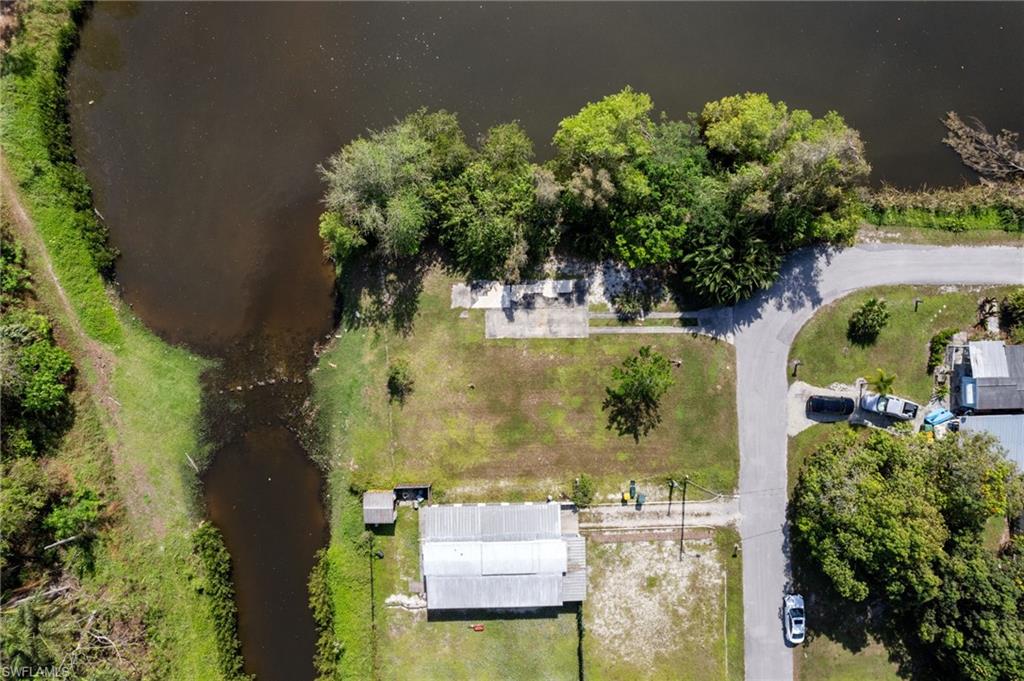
<point>1007,428</point>
<point>988,359</point>
<point>494,591</point>
<point>998,371</point>
<point>494,558</point>
<point>499,556</point>
<point>378,508</point>
<point>506,522</point>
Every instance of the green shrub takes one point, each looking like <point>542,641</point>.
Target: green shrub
<point>583,491</point>
<point>329,650</point>
<point>400,381</point>
<point>208,545</point>
<point>867,322</point>
<point>937,348</point>
<point>1012,311</point>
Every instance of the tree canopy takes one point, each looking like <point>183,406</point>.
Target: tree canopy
<point>633,400</point>
<point>897,521</point>
<point>716,200</point>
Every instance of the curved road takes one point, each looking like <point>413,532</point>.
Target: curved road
<point>764,328</point>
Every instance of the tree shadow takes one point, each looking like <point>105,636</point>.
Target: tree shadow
<point>373,292</point>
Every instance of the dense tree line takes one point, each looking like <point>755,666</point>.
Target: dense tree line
<point>715,201</point>
<point>897,522</point>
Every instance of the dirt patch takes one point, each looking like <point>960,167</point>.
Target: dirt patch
<point>642,596</point>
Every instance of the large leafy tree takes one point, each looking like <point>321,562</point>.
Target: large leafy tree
<point>381,188</point>
<point>898,521</point>
<point>633,400</point>
<point>493,216</point>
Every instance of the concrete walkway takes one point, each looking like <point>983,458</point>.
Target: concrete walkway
<point>765,326</point>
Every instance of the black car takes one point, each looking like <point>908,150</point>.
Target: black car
<point>827,405</point>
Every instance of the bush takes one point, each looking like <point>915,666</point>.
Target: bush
<point>208,544</point>
<point>329,650</point>
<point>400,381</point>
<point>1012,311</point>
<point>980,206</point>
<point>868,321</point>
<point>937,348</point>
<point>583,491</point>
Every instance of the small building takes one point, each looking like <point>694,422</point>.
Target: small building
<point>500,556</point>
<point>380,507</point>
<point>1008,429</point>
<point>992,380</point>
<point>417,492</point>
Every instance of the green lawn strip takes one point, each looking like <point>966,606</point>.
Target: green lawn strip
<point>726,540</point>
<point>527,413</point>
<point>939,237</point>
<point>838,648</point>
<point>902,346</point>
<point>25,154</point>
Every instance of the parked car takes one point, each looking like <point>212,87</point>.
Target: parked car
<point>887,405</point>
<point>829,405</point>
<point>796,623</point>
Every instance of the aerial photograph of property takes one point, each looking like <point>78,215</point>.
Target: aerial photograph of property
<point>511,341</point>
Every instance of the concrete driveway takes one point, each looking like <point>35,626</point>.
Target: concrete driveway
<point>765,326</point>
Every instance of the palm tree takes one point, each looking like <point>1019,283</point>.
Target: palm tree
<point>883,382</point>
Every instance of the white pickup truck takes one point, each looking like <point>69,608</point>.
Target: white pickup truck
<point>887,405</point>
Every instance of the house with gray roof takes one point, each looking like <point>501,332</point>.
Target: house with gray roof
<point>379,507</point>
<point>500,556</point>
<point>993,381</point>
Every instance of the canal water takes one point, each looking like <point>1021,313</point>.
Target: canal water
<point>200,127</point>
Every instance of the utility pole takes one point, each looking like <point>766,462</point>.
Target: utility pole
<point>682,521</point>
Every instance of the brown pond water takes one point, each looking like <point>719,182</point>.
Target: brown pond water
<point>200,126</point>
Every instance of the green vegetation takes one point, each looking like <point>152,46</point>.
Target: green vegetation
<point>400,381</point>
<point>583,491</point>
<point>117,475</point>
<point>633,401</point>
<point>902,347</point>
<point>208,544</point>
<point>899,523</point>
<point>867,321</point>
<point>714,204</point>
<point>937,348</point>
<point>37,152</point>
<point>1011,312</point>
<point>524,412</point>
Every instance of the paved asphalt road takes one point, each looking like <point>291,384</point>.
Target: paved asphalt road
<point>764,329</point>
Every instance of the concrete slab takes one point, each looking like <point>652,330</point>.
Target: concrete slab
<point>544,322</point>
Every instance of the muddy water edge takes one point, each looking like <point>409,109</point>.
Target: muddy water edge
<point>200,125</point>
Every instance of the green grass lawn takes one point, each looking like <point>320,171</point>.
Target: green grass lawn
<point>651,616</point>
<point>939,237</point>
<point>526,413</point>
<point>902,346</point>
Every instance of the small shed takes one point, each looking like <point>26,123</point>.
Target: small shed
<point>379,507</point>
<point>413,491</point>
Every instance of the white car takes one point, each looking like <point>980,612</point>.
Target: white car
<point>796,627</point>
<point>887,405</point>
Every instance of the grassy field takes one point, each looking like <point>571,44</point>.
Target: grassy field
<point>137,402</point>
<point>902,346</point>
<point>651,616</point>
<point>838,648</point>
<point>526,413</point>
<point>939,237</point>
